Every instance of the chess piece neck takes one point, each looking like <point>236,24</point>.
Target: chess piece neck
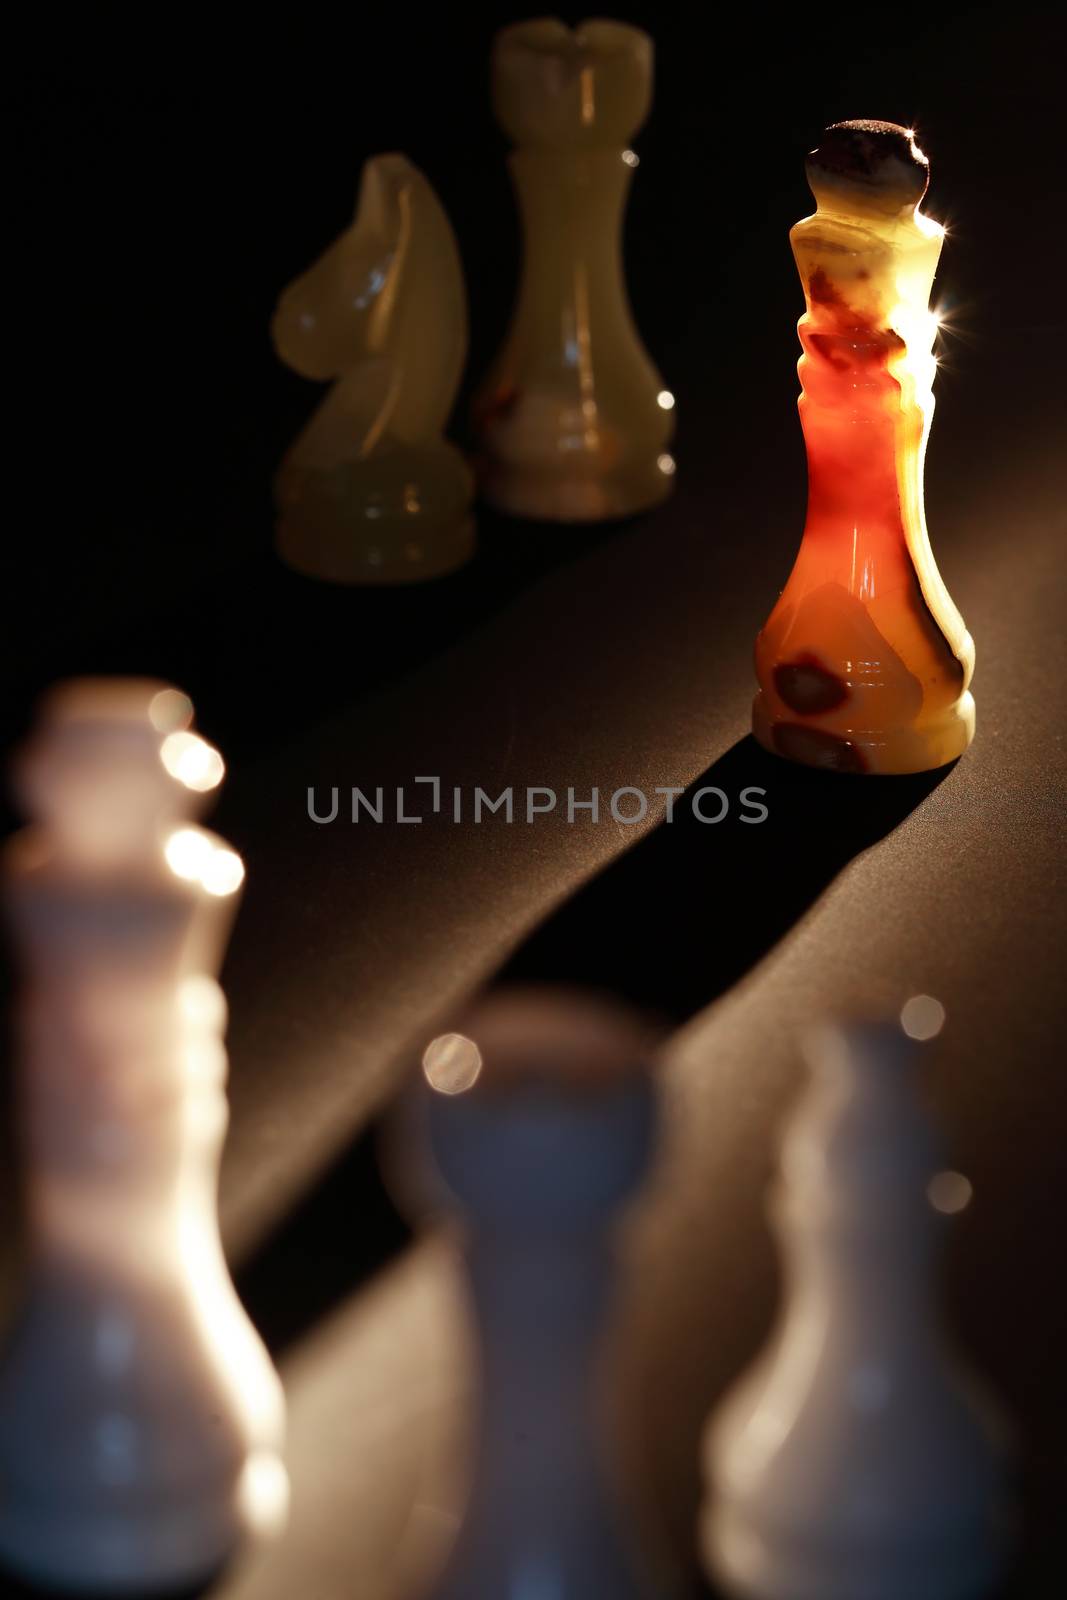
<point>539,1312</point>
<point>572,209</point>
<point>851,1205</point>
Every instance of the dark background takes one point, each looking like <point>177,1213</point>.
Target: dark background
<point>180,166</point>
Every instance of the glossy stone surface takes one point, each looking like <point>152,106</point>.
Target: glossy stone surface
<point>864,663</point>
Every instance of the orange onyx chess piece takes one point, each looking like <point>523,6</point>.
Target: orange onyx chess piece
<point>864,663</point>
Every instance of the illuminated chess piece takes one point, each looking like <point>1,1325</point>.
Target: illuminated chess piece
<point>573,420</point>
<point>371,492</point>
<point>854,1461</point>
<point>864,663</point>
<point>540,1122</point>
<point>140,1418</point>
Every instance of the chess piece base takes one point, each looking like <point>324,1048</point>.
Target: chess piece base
<point>398,558</point>
<point>756,1568</point>
<point>536,493</point>
<point>918,747</point>
<point>400,516</point>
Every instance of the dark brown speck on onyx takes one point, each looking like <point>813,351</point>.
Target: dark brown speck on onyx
<point>822,292</point>
<point>809,688</point>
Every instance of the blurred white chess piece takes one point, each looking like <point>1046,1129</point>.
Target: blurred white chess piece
<point>140,1418</point>
<point>540,1125</point>
<point>856,1461</point>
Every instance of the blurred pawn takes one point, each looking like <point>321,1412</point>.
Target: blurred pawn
<point>856,1461</point>
<point>140,1418</point>
<point>538,1126</point>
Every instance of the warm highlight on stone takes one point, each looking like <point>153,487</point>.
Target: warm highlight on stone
<point>371,491</point>
<point>864,663</point>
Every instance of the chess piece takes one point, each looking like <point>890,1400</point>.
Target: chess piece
<point>140,1418</point>
<point>371,492</point>
<point>539,1121</point>
<point>854,1461</point>
<point>864,663</point>
<point>573,420</point>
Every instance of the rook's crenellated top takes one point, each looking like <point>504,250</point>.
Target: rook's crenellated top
<point>589,85</point>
